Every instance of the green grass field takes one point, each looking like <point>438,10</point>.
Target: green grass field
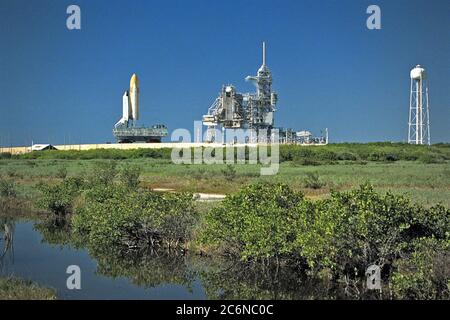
<point>425,183</point>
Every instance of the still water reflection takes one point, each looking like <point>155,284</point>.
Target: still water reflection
<point>42,251</point>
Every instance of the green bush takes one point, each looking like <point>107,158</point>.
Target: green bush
<point>59,198</point>
<point>5,155</point>
<point>391,157</point>
<point>129,175</point>
<point>350,156</point>
<point>7,188</point>
<point>378,151</point>
<point>312,181</point>
<point>114,215</point>
<point>108,154</point>
<point>229,172</point>
<point>307,162</point>
<point>200,173</point>
<point>431,158</point>
<point>256,222</point>
<point>61,173</point>
<point>14,174</point>
<point>103,173</point>
<point>346,231</point>
<point>425,273</point>
<point>355,229</point>
<point>343,234</point>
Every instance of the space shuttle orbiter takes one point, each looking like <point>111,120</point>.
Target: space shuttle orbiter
<point>130,103</point>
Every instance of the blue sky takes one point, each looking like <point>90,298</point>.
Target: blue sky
<point>329,70</point>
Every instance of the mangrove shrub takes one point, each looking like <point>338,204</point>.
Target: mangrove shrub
<point>256,222</point>
<point>115,215</point>
<point>59,198</point>
<point>343,234</point>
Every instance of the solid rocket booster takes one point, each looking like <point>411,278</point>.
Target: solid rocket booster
<point>134,97</point>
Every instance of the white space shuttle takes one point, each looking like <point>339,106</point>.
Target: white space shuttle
<point>130,103</point>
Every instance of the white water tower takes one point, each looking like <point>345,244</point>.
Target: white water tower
<point>419,109</point>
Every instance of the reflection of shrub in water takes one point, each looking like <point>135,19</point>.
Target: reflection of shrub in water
<point>7,227</point>
<point>57,231</point>
<point>233,280</point>
<point>221,278</point>
<point>143,268</point>
<point>146,269</point>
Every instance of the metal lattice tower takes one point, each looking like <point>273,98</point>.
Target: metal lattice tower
<point>419,109</point>
<point>234,110</point>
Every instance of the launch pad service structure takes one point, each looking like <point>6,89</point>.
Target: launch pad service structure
<point>233,110</point>
<point>252,111</point>
<point>125,130</point>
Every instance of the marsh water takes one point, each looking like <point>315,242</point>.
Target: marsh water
<point>42,250</point>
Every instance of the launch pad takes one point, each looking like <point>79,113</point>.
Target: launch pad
<point>125,129</point>
<point>140,134</point>
<point>254,113</point>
